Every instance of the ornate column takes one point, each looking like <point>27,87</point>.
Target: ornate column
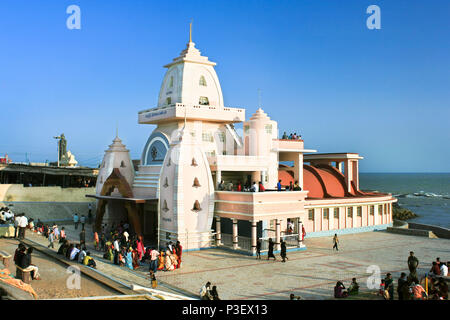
<point>254,236</point>
<point>300,233</point>
<point>218,232</point>
<point>277,234</point>
<point>218,178</point>
<point>235,234</point>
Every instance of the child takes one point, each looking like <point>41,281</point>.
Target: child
<point>153,279</point>
<point>383,292</point>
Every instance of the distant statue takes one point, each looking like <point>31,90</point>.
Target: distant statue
<point>62,146</point>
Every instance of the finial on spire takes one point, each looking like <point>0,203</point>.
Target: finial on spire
<point>190,30</point>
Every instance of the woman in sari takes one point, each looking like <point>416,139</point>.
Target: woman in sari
<point>161,261</point>
<point>179,250</point>
<point>168,264</point>
<point>129,259</point>
<point>140,247</point>
<point>135,259</point>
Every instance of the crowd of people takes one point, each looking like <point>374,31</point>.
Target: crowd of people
<point>292,136</point>
<point>129,251</point>
<point>256,186</point>
<point>431,287</point>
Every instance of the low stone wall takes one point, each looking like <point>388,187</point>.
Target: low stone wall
<point>438,231</point>
<point>17,192</point>
<point>412,232</point>
<point>57,212</point>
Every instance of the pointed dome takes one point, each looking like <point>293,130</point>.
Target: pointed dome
<point>117,146</point>
<point>259,115</point>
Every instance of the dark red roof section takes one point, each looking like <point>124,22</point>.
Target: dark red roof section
<point>323,181</point>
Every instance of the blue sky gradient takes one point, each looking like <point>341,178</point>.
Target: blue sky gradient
<point>323,73</point>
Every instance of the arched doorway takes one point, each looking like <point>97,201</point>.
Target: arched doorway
<point>123,203</point>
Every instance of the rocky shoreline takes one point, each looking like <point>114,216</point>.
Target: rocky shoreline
<point>399,213</point>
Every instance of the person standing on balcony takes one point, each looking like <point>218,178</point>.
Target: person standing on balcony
<point>261,187</point>
<point>279,185</point>
<point>254,187</point>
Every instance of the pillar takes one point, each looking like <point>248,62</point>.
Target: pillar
<point>298,169</point>
<point>254,237</point>
<point>300,233</point>
<point>263,177</point>
<point>277,234</point>
<point>218,178</point>
<point>218,232</point>
<point>235,234</point>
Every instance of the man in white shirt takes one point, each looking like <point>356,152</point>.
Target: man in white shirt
<point>444,270</point>
<point>23,222</point>
<point>116,245</point>
<point>255,187</point>
<point>74,252</point>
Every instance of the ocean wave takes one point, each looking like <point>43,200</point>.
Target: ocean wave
<point>422,194</point>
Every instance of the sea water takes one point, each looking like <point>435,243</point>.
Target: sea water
<point>426,194</point>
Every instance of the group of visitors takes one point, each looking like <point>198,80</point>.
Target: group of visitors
<point>247,187</point>
<point>340,292</point>
<point>292,136</point>
<point>22,259</point>
<point>209,293</point>
<point>129,251</point>
<point>432,286</point>
<point>291,187</point>
<point>76,252</point>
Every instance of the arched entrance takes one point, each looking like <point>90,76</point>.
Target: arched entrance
<point>126,202</point>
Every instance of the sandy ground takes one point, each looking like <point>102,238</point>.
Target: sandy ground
<point>54,277</point>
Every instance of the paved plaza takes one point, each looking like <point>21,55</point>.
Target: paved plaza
<point>311,274</point>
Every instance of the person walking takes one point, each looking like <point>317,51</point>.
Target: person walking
<point>83,236</point>
<point>83,221</point>
<point>16,225</point>
<point>270,252</point>
<point>258,249</point>
<point>76,220</point>
<point>283,251</point>
<point>90,213</point>
<point>51,239</point>
<point>335,242</point>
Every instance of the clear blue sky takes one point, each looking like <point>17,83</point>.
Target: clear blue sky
<point>323,73</point>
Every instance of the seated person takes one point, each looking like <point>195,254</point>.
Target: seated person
<point>82,254</point>
<point>418,292</point>
<point>89,261</point>
<point>26,265</point>
<point>74,253</point>
<point>435,269</point>
<point>339,290</point>
<point>353,288</point>
<point>261,187</point>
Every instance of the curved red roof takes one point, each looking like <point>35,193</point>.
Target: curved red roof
<point>321,182</point>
